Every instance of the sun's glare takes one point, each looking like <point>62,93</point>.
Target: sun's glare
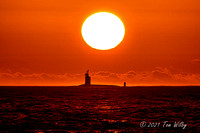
<point>103,31</point>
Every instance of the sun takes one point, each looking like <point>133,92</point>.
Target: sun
<point>103,31</point>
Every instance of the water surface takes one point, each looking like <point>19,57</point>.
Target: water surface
<point>98,109</point>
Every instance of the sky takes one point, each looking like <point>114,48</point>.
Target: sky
<point>41,43</point>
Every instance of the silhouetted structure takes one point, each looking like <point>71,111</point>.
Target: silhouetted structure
<point>87,78</point>
<point>124,84</point>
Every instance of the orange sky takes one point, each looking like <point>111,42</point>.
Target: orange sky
<point>41,43</point>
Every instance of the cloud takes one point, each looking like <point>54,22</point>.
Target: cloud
<point>159,76</point>
<point>162,74</point>
<point>39,79</point>
<point>196,60</point>
<point>102,73</point>
<point>131,74</point>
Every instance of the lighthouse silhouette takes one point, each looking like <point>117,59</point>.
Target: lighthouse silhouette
<point>87,79</point>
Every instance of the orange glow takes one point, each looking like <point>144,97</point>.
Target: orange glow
<point>41,43</point>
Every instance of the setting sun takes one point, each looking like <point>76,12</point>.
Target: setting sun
<point>99,66</point>
<point>103,31</point>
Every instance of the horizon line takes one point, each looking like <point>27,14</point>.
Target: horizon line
<point>82,85</point>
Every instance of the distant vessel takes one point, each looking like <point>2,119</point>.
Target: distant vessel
<point>87,79</point>
<point>124,84</point>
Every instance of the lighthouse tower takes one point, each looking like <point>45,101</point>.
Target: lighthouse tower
<point>87,78</point>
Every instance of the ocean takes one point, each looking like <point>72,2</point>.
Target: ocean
<point>100,109</point>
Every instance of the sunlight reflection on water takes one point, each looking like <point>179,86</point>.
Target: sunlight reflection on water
<point>46,109</point>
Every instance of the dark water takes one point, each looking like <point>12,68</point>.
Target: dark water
<point>105,109</point>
